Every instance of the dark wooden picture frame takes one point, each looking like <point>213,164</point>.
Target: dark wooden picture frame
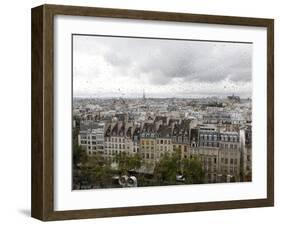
<point>42,203</point>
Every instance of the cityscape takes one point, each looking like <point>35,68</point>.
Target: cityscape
<point>136,126</point>
<point>147,133</point>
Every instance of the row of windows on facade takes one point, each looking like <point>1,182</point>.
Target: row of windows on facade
<point>92,142</point>
<point>213,144</point>
<point>151,142</point>
<point>161,148</point>
<point>166,141</point>
<point>122,140</point>
<point>180,139</point>
<point>95,148</point>
<point>112,139</point>
<point>93,137</point>
<point>221,138</point>
<point>122,146</point>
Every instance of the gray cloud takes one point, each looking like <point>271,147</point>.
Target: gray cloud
<point>161,62</point>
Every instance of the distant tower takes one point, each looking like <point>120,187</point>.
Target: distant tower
<point>143,95</point>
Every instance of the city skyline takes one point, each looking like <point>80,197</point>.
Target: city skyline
<point>112,67</point>
<point>147,96</point>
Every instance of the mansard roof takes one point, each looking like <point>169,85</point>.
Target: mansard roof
<point>194,134</point>
<point>182,128</point>
<point>136,131</point>
<point>86,125</point>
<point>149,127</point>
<point>108,131</point>
<point>164,131</point>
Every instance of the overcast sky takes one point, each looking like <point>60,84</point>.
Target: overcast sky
<point>125,67</point>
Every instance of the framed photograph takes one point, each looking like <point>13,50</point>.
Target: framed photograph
<point>142,112</point>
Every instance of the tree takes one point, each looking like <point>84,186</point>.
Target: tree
<point>79,155</point>
<point>192,171</point>
<point>127,162</point>
<point>97,171</point>
<point>167,169</point>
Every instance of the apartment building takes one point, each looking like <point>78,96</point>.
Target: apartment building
<point>91,137</point>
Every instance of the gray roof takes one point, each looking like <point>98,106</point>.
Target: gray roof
<point>86,125</point>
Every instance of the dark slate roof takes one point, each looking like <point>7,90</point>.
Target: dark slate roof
<point>148,127</point>
<point>121,116</point>
<point>108,131</point>
<point>85,125</point>
<point>121,129</point>
<point>164,131</point>
<point>129,132</point>
<point>136,131</point>
<point>182,128</point>
<point>194,134</point>
<point>114,130</point>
